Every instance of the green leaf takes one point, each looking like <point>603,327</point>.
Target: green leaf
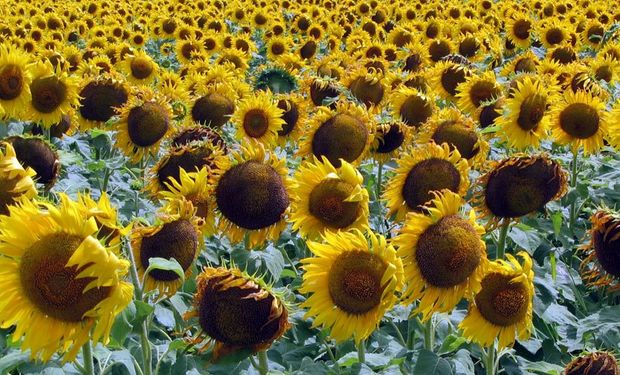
<point>451,344</point>
<point>556,219</point>
<point>143,310</point>
<point>430,363</point>
<point>164,316</point>
<point>165,265</point>
<point>12,360</point>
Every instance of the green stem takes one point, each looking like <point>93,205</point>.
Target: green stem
<point>263,364</point>
<point>411,332</point>
<point>330,352</point>
<point>501,241</point>
<point>489,362</point>
<point>89,364</point>
<point>429,334</point>
<point>573,184</point>
<point>378,192</point>
<point>401,339</point>
<point>146,349</point>
<point>361,351</point>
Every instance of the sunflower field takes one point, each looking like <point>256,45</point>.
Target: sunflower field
<point>427,187</point>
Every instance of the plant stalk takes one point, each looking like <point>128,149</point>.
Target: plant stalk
<point>501,241</point>
<point>89,364</point>
<point>489,363</point>
<point>429,334</point>
<point>573,184</point>
<point>361,351</point>
<point>263,363</point>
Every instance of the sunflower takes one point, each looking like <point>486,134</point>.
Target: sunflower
<point>478,90</point>
<point>252,195</point>
<point>294,113</point>
<point>213,105</point>
<point>258,119</point>
<point>145,120</point>
<point>446,77</point>
<point>236,311</point>
<point>15,181</point>
<point>58,279</point>
<point>578,119</point>
<point>502,308</point>
<point>352,283</point>
<point>443,254</point>
<point>552,33</point>
<point>390,138</point>
<point>196,188</point>
<point>190,157</point>
<point>345,132</point>
<point>174,236</point>
<point>601,267</point>
<point>421,171</point>
<point>15,78</point>
<point>38,154</point>
<point>526,62</point>
<point>109,232</point>
<point>53,95</point>
<point>276,79</point>
<point>411,106</point>
<point>596,363</point>
<point>99,99</point>
<point>526,122</point>
<point>366,85</point>
<point>326,199</point>
<point>519,185</point>
<point>519,30</point>
<point>139,68</point>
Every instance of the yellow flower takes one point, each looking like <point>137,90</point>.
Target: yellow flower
<point>57,279</point>
<point>15,182</point>
<point>502,309</point>
<point>258,119</point>
<point>443,254</point>
<point>352,283</point>
<point>15,78</point>
<point>600,268</point>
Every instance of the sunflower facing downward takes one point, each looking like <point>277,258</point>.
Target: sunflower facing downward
<point>601,267</point>
<point>352,283</point>
<point>326,199</point>
<point>15,181</point>
<point>252,195</point>
<point>527,121</point>
<point>502,308</point>
<point>236,311</point>
<point>421,171</point>
<point>519,185</point>
<point>258,118</point>
<point>145,120</point>
<point>579,120</point>
<point>443,255</point>
<point>174,237</point>
<point>56,278</point>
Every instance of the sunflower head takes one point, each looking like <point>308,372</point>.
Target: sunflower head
<point>38,154</point>
<point>520,185</point>
<point>597,363</point>
<point>16,182</point>
<point>477,91</point>
<point>443,254</point>
<point>502,308</point>
<point>214,106</point>
<point>237,311</point>
<point>276,79</point>
<point>99,98</point>
<point>198,134</point>
<point>412,106</point>
<point>601,267</point>
<point>258,119</point>
<point>352,282</point>
<point>390,138</point>
<point>15,78</point>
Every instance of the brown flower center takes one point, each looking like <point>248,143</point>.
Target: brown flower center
<point>342,136</point>
<point>501,302</point>
<point>580,120</point>
<point>532,111</point>
<point>427,176</point>
<point>327,203</point>
<point>11,82</point>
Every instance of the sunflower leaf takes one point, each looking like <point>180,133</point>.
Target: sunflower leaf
<point>163,264</point>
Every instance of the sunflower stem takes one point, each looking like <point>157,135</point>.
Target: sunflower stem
<point>146,349</point>
<point>429,334</point>
<point>378,190</point>
<point>89,364</point>
<point>263,364</point>
<point>501,241</point>
<point>573,184</point>
<point>361,351</point>
<point>489,361</point>
<point>399,335</point>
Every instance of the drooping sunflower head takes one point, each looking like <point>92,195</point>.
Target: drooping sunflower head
<point>59,278</point>
<point>345,132</point>
<point>99,99</point>
<point>237,311</point>
<point>145,120</point>
<point>53,94</point>
<point>411,106</point>
<point>16,182</point>
<point>258,119</point>
<point>214,105</point>
<point>276,79</point>
<point>176,237</point>
<point>526,63</point>
<point>597,363</point>
<point>252,195</point>
<point>526,120</point>
<point>443,254</point>
<point>366,85</point>
<point>478,90</point>
<point>601,266</point>
<point>326,199</point>
<point>458,131</point>
<point>578,119</point>
<point>421,171</point>
<point>390,138</point>
<point>38,154</point>
<point>502,308</point>
<point>352,281</point>
<point>191,157</point>
<point>15,78</point>
<point>520,185</point>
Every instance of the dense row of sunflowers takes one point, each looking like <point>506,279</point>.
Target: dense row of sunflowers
<point>252,118</point>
